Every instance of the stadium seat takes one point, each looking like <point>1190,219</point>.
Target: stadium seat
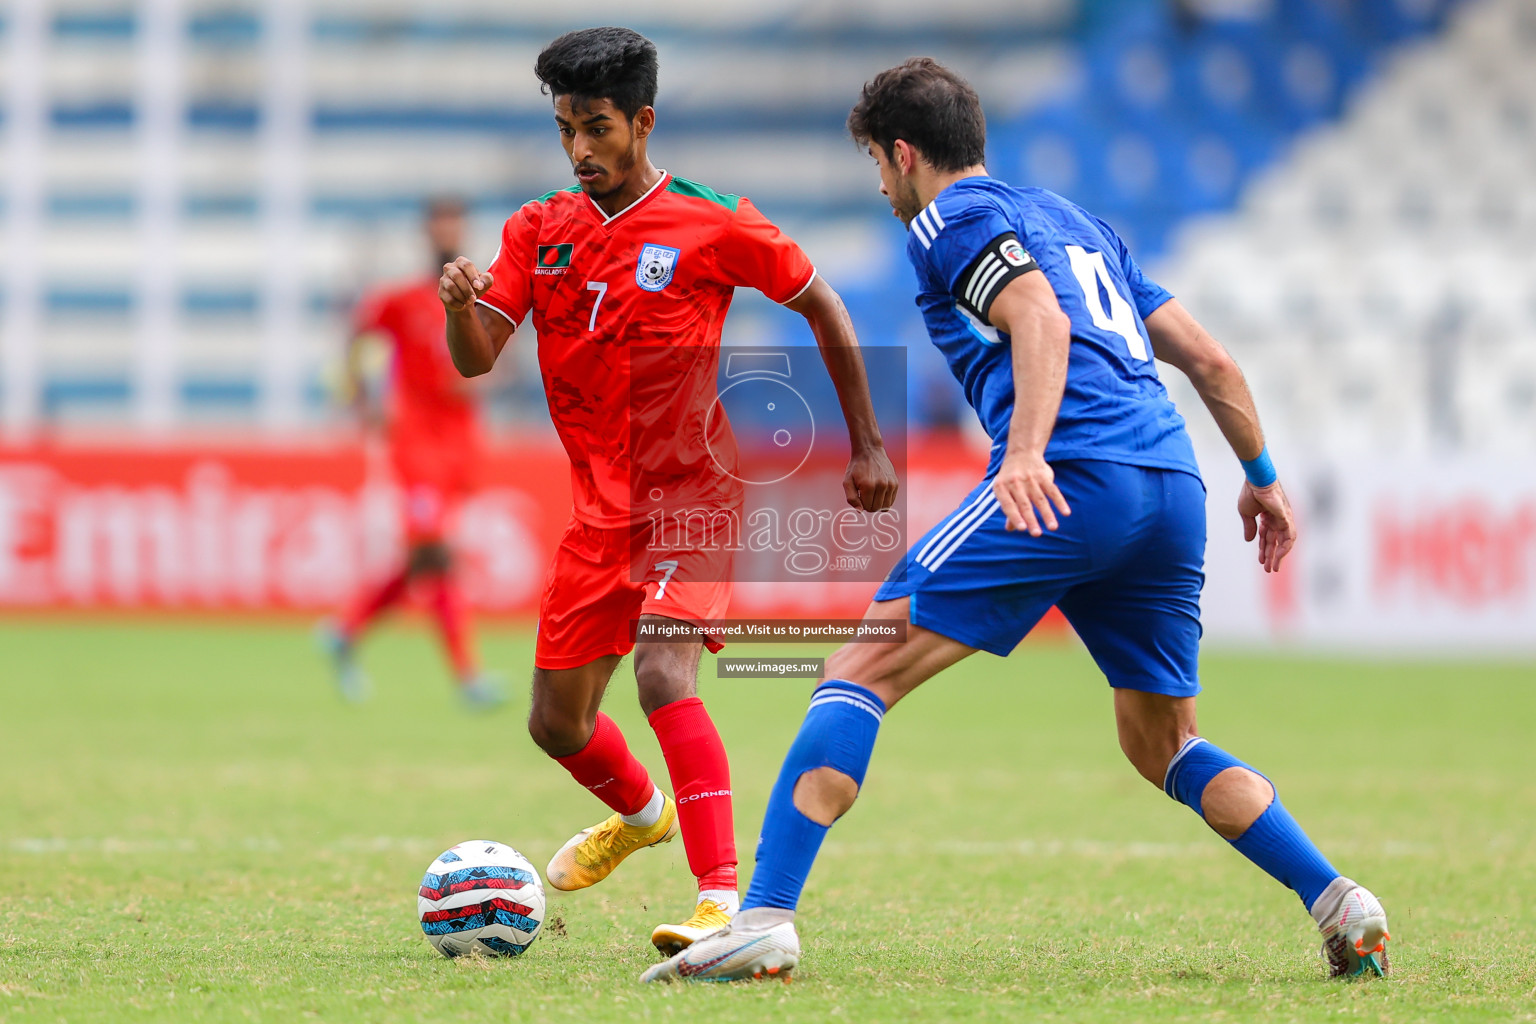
<point>1406,256</point>
<point>1206,139</point>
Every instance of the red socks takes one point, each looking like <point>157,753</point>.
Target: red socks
<point>443,599</point>
<point>372,603</point>
<point>448,608</point>
<point>701,784</point>
<point>607,768</point>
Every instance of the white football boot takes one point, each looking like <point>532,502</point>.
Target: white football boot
<point>742,950</point>
<point>1354,928</point>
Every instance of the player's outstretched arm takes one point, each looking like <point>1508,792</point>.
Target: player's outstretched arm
<point>1178,339</point>
<point>1041,336</point>
<point>475,336</point>
<point>870,483</point>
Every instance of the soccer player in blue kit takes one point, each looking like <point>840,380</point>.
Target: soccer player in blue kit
<point>1092,502</point>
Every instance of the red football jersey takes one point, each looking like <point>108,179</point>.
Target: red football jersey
<point>433,422</point>
<point>628,311</point>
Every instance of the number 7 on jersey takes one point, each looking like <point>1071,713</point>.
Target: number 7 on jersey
<point>601,287</point>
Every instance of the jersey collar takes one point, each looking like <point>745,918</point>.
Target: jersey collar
<point>607,220</point>
<point>972,179</point>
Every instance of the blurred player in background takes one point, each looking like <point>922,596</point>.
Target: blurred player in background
<point>1092,502</point>
<point>430,419</point>
<point>629,275</point>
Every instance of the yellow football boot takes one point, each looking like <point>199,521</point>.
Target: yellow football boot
<point>708,916</point>
<point>593,853</point>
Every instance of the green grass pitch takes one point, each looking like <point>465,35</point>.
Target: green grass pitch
<point>192,827</point>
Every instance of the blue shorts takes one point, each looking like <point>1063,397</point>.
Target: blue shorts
<point>1125,568</point>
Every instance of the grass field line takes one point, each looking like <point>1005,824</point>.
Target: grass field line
<point>180,846</point>
<point>255,844</point>
<point>1098,849</point>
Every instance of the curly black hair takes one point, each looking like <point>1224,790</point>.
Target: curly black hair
<point>617,64</point>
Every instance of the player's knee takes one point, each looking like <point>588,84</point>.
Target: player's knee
<point>869,666</point>
<point>558,735</point>
<point>825,794</point>
<point>1234,799</point>
<point>431,557</point>
<point>662,684</point>
<point>1149,755</point>
<point>845,663</point>
<point>1150,741</point>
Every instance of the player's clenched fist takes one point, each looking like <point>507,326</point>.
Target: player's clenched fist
<point>870,482</point>
<point>461,284</point>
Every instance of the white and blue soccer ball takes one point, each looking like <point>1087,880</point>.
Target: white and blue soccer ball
<point>481,896</point>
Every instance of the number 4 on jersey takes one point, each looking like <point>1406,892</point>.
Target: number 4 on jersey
<point>1091,272</point>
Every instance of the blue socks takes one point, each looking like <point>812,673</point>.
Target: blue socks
<point>838,732</point>
<point>1274,842</point>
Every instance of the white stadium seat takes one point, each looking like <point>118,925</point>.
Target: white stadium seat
<point>1415,215</point>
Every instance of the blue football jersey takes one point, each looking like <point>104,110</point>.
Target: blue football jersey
<point>981,233</point>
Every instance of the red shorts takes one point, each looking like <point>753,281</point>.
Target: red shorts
<point>425,509</point>
<point>434,473</point>
<point>593,596</point>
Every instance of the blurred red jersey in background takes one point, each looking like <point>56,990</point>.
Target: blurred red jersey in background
<point>432,416</point>
<point>432,425</point>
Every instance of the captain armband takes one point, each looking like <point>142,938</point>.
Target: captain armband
<point>979,285</point>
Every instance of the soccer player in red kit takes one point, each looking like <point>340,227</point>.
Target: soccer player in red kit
<point>628,276</point>
<point>432,426</point>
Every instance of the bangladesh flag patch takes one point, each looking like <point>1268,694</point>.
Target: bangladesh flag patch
<point>554,259</point>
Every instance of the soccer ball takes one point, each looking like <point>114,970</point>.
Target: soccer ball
<point>481,896</point>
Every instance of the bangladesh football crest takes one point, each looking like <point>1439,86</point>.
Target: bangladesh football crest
<point>654,270</point>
